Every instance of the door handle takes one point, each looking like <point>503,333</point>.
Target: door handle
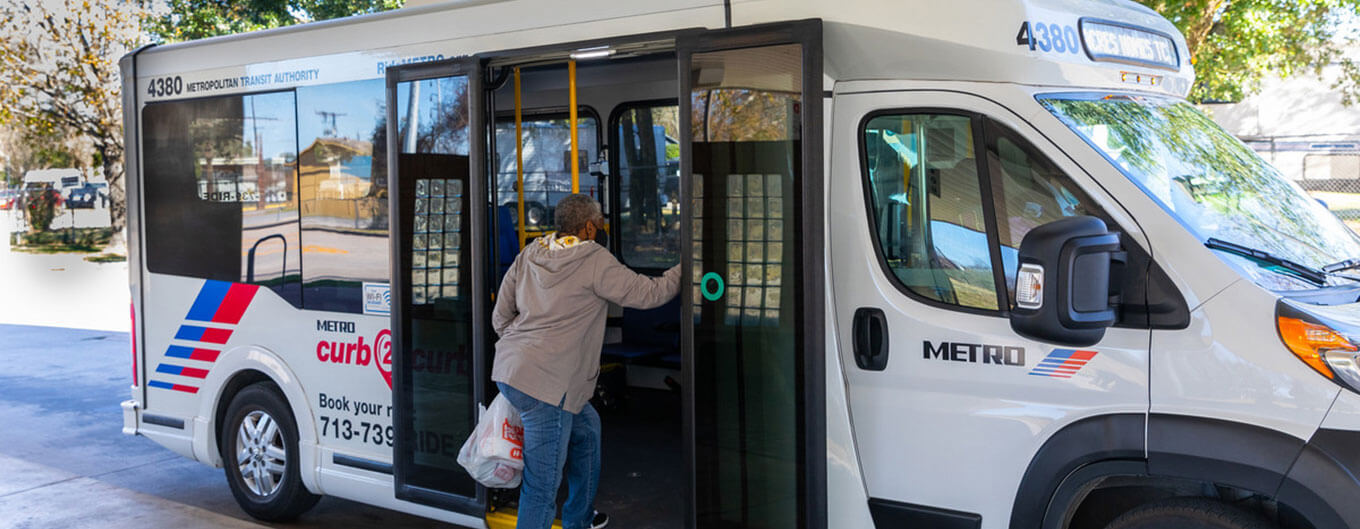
<point>870,330</point>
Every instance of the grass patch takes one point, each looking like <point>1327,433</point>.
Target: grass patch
<point>79,240</point>
<point>106,258</point>
<point>58,248</point>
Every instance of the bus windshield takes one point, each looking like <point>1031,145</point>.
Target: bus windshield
<point>1217,187</point>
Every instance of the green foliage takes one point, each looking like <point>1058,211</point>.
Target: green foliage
<point>198,19</point>
<point>1234,44</point>
<point>41,207</point>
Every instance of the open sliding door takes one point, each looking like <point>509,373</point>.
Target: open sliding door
<point>753,346</point>
<point>436,139</point>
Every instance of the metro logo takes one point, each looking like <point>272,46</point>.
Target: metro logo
<point>359,353</point>
<point>216,310</point>
<point>1062,363</point>
<point>975,353</point>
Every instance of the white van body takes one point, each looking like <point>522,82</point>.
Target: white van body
<point>967,423</point>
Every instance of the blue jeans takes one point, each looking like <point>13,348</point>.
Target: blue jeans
<point>554,438</point>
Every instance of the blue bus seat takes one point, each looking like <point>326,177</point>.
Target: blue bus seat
<point>647,333</point>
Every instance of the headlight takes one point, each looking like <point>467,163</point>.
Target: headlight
<point>1324,348</point>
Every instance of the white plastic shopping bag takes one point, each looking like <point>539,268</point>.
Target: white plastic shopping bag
<point>494,453</point>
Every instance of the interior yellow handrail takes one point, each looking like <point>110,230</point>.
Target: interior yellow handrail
<point>571,90</point>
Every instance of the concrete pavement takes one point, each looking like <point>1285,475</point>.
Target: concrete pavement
<point>64,462</point>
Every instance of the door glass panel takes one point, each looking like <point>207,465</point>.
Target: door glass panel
<point>433,172</point>
<point>927,207</point>
<point>649,185</point>
<point>745,120</point>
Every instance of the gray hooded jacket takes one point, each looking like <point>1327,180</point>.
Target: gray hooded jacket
<point>550,315</point>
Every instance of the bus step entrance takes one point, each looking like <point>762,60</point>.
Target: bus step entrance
<point>505,518</point>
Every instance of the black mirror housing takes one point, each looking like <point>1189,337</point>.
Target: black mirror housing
<point>1062,288</point>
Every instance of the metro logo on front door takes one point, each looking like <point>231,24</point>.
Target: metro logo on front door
<point>1062,363</point>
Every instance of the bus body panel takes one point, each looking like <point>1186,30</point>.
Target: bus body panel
<point>374,488</point>
<point>1345,413</point>
<point>310,355</point>
<point>970,426</point>
<point>1230,365</point>
<point>847,499</point>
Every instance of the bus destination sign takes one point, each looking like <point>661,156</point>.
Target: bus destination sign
<point>1115,42</point>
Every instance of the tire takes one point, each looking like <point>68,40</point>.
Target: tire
<point>535,216</point>
<point>1188,513</point>
<point>262,466</point>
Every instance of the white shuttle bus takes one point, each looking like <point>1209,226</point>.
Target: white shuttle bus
<point>966,264</point>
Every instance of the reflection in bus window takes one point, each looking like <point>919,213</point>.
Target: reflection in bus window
<point>1209,181</point>
<point>547,165</point>
<point>432,116</point>
<point>648,153</point>
<point>1029,191</point>
<point>220,190</point>
<point>343,191</point>
<point>927,207</point>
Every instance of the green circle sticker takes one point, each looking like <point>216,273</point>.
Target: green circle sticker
<point>716,293</point>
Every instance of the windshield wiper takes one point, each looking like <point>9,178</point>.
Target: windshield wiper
<point>1342,266</point>
<point>1302,271</point>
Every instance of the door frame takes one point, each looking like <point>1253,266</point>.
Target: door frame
<point>810,248</point>
<point>399,257</point>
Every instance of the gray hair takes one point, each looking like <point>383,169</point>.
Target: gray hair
<point>574,211</point>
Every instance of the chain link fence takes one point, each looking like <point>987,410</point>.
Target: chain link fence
<point>1327,169</point>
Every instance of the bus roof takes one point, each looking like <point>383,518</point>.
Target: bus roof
<point>1100,44</point>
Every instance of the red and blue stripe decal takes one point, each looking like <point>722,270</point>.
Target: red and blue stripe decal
<point>1063,363</point>
<point>220,305</point>
<point>222,302</point>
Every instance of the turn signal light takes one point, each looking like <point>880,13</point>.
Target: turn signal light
<point>1311,342</point>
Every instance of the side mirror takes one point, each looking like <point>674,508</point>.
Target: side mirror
<point>1062,291</point>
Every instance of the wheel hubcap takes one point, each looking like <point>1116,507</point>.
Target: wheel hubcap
<point>260,455</point>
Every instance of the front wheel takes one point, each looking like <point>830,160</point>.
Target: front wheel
<point>260,453</point>
<point>1188,513</point>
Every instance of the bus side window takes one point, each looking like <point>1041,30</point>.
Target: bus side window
<point>343,192</point>
<point>927,207</point>
<point>1029,191</point>
<point>648,154</point>
<point>547,166</point>
<point>219,185</point>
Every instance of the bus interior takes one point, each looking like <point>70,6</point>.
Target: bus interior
<point>628,159</point>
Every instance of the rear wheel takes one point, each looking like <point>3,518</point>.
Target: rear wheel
<point>260,453</point>
<point>1189,513</point>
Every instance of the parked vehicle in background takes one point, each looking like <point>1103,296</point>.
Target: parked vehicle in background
<point>9,198</point>
<point>87,196</point>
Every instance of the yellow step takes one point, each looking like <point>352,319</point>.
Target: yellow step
<point>506,518</point>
